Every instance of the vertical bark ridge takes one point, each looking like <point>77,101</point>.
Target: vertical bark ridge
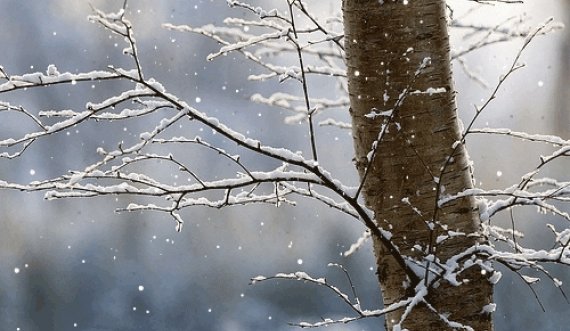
<point>386,42</point>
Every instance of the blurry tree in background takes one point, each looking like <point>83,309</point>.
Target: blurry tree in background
<point>562,96</point>
<point>434,233</point>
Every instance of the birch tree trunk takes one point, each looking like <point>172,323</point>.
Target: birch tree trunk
<point>386,43</point>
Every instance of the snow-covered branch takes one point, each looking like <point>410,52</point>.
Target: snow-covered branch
<point>352,303</point>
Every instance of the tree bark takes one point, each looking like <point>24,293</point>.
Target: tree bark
<point>386,43</point>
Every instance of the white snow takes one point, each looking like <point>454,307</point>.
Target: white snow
<point>40,79</point>
<point>490,308</point>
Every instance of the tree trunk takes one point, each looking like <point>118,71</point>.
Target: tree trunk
<point>386,43</point>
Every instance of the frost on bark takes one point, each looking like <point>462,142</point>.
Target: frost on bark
<point>405,128</point>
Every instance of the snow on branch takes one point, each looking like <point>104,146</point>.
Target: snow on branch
<point>352,303</point>
<point>111,175</point>
<point>39,79</point>
<point>259,11</point>
<point>284,35</point>
<point>335,123</point>
<point>343,206</point>
<point>147,107</point>
<point>359,243</point>
<point>294,104</point>
<point>548,139</point>
<point>250,42</point>
<point>510,29</point>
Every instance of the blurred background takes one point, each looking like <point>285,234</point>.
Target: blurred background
<point>78,265</point>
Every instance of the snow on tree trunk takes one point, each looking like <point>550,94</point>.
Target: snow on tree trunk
<point>401,90</point>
